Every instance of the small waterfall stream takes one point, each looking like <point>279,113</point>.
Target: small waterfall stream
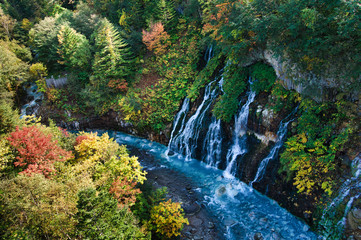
<point>348,192</point>
<point>212,144</point>
<point>178,123</point>
<point>185,141</point>
<point>239,147</point>
<point>33,106</point>
<point>209,53</point>
<point>281,134</point>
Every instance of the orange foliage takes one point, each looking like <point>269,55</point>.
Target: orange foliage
<point>118,85</point>
<point>156,39</point>
<point>37,152</point>
<point>124,192</point>
<point>79,139</point>
<point>221,18</point>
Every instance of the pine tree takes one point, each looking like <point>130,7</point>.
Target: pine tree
<point>166,13</point>
<point>73,49</point>
<point>112,58</point>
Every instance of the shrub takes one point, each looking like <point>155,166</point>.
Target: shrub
<point>156,39</point>
<point>100,218</point>
<point>124,191</point>
<point>233,86</point>
<point>168,219</point>
<point>36,150</point>
<point>264,77</point>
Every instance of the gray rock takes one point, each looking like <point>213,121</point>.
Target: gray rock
<point>354,219</point>
<point>258,236</point>
<point>275,236</point>
<point>230,222</point>
<point>221,190</point>
<point>267,117</point>
<point>211,225</point>
<point>196,222</point>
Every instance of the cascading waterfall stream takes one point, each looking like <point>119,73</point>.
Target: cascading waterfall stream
<point>32,92</point>
<point>179,118</point>
<point>281,134</point>
<point>238,147</point>
<point>212,144</point>
<point>187,133</point>
<point>186,140</point>
<point>351,190</point>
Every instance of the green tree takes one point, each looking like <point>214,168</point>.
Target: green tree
<point>105,160</point>
<point>39,207</point>
<point>7,24</point>
<point>43,37</point>
<point>112,56</point>
<point>311,156</point>
<point>85,19</point>
<point>12,71</point>
<point>9,118</point>
<point>99,218</point>
<point>165,13</point>
<point>30,9</point>
<point>74,49</point>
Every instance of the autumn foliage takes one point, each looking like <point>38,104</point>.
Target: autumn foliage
<point>156,39</point>
<point>214,22</point>
<point>124,191</point>
<point>118,85</point>
<point>36,150</point>
<point>79,139</point>
<point>168,219</point>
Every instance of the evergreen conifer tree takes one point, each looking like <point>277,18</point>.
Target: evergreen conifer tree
<point>112,57</point>
<point>166,13</point>
<point>74,49</point>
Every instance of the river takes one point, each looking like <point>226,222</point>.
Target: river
<point>241,211</point>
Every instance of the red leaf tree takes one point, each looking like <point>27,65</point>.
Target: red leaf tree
<point>37,152</point>
<point>124,192</point>
<point>156,39</point>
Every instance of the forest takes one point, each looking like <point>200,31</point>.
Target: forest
<point>137,61</point>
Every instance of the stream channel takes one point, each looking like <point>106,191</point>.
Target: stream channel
<point>239,211</point>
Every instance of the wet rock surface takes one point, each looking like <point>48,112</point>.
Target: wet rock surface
<point>202,225</point>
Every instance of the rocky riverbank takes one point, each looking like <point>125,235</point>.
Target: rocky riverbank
<point>202,225</point>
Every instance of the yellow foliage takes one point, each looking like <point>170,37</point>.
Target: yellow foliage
<point>168,218</point>
<point>6,155</point>
<point>309,168</point>
<point>104,159</point>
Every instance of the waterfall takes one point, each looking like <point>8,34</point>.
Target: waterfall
<point>186,140</point>
<point>349,191</point>
<point>212,145</point>
<point>281,134</point>
<point>179,118</point>
<point>209,53</point>
<point>187,133</point>
<point>33,105</point>
<point>238,147</point>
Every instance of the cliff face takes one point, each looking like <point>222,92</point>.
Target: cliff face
<point>307,83</point>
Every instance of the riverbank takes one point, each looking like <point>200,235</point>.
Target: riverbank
<point>202,225</point>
